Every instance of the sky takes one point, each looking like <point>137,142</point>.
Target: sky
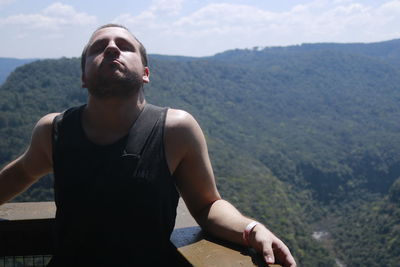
<point>53,29</point>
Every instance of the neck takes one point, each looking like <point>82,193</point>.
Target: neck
<point>105,120</point>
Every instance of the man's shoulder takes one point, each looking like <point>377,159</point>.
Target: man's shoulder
<point>43,127</point>
<point>47,120</point>
<point>182,127</point>
<point>179,119</point>
<point>183,137</point>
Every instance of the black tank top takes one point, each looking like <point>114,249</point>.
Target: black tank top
<point>114,207</point>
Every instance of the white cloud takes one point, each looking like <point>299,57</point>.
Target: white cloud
<point>153,18</point>
<point>54,17</point>
<point>169,7</point>
<point>28,20</point>
<point>389,9</point>
<point>351,21</point>
<point>5,2</point>
<point>167,27</point>
<point>218,26</point>
<point>227,14</point>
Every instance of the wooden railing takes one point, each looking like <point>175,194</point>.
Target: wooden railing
<point>26,231</point>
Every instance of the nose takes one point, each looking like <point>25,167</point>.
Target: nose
<point>112,50</point>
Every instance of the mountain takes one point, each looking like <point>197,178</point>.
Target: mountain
<point>388,51</point>
<point>304,138</point>
<point>7,65</point>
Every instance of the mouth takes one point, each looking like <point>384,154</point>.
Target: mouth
<point>116,62</point>
<point>113,64</point>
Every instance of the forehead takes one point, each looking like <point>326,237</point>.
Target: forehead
<point>112,33</point>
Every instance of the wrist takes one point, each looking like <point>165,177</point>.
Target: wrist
<point>247,231</point>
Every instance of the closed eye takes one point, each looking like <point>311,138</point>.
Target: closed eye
<point>97,47</point>
<point>124,45</point>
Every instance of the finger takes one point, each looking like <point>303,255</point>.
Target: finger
<point>290,261</point>
<point>268,254</point>
<point>284,254</point>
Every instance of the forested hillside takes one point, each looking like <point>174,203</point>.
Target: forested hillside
<point>304,138</point>
<point>7,65</point>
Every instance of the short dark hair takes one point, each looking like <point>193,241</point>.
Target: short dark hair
<point>142,50</point>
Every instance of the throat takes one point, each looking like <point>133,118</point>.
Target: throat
<point>105,120</point>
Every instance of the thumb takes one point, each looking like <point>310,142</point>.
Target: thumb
<point>269,255</point>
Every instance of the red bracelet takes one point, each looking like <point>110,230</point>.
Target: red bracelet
<point>247,231</point>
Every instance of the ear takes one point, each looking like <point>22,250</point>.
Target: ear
<point>146,75</point>
<point>83,85</point>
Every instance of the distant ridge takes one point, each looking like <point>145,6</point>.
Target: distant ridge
<point>172,57</point>
<point>7,65</point>
<point>386,50</point>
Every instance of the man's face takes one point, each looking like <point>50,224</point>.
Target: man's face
<point>113,64</point>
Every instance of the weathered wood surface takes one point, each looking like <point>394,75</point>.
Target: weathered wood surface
<point>202,250</point>
<point>26,229</point>
<point>47,210</point>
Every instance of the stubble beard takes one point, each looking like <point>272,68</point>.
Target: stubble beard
<point>116,86</point>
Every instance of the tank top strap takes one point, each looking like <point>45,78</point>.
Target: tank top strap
<point>143,128</point>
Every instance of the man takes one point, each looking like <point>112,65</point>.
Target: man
<point>119,164</point>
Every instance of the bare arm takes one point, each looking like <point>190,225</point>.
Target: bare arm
<point>188,160</point>
<point>34,163</point>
